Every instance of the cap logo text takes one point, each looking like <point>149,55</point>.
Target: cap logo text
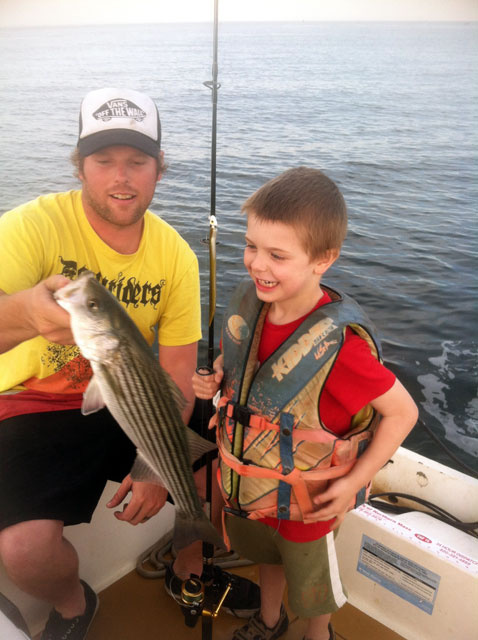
<point>119,108</point>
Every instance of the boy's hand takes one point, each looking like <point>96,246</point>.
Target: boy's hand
<point>399,414</point>
<point>206,387</point>
<point>335,501</point>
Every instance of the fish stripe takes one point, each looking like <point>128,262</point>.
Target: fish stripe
<point>141,405</point>
<point>173,437</point>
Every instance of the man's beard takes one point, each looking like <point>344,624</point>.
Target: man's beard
<point>107,214</point>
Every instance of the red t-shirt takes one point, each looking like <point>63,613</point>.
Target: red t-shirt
<point>355,379</point>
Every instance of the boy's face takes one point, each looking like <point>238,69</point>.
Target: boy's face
<point>279,266</point>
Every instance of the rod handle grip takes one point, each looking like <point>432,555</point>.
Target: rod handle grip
<point>204,370</point>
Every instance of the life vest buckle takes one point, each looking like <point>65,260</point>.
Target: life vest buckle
<point>240,413</point>
<point>236,512</point>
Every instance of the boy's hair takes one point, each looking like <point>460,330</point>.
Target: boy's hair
<point>307,200</point>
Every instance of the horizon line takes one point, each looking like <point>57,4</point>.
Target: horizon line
<point>226,21</point>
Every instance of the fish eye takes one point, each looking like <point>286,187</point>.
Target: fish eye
<point>92,304</point>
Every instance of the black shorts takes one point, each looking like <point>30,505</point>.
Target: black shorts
<point>55,465</point>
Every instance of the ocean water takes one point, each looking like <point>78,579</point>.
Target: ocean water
<point>388,110</point>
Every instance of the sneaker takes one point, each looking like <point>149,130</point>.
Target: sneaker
<point>242,601</point>
<point>58,628</point>
<point>255,629</point>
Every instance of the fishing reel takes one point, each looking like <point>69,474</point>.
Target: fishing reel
<point>194,603</point>
<point>192,600</point>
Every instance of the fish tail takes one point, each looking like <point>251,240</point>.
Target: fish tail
<point>187,531</point>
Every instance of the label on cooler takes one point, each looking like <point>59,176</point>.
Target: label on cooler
<point>397,573</point>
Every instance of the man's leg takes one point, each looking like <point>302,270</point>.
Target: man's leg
<point>69,458</point>
<point>42,563</point>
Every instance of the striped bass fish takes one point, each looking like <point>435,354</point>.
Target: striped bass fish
<point>142,398</point>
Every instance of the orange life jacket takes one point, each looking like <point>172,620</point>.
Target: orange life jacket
<point>275,453</point>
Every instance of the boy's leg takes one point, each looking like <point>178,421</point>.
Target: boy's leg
<point>272,583</point>
<point>271,622</point>
<point>314,586</point>
<point>312,574</point>
<point>309,569</point>
<point>318,628</point>
<point>256,541</point>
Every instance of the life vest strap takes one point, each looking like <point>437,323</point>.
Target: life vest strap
<point>239,413</point>
<point>246,468</point>
<point>296,478</point>
<point>286,445</point>
<point>243,415</point>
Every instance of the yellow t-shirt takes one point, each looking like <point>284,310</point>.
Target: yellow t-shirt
<point>158,285</point>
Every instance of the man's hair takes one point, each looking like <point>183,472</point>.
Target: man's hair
<point>307,200</point>
<point>77,161</point>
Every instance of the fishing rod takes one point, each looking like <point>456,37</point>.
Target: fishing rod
<point>207,370</point>
<point>214,86</point>
<point>207,407</point>
<point>193,589</point>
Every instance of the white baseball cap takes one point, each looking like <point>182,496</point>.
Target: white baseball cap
<point>119,117</point>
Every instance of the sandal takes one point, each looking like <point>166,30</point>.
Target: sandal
<point>255,629</point>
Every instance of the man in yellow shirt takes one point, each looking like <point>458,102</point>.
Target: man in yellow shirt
<point>55,462</point>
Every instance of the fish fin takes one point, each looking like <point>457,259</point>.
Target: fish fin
<point>198,445</point>
<point>92,398</point>
<point>187,530</point>
<point>143,472</point>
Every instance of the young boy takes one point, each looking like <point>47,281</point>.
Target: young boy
<point>302,388</point>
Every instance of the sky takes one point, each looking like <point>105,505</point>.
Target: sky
<point>15,13</point>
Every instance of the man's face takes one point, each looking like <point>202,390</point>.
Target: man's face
<point>118,184</point>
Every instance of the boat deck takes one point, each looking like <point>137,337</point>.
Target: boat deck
<point>137,608</point>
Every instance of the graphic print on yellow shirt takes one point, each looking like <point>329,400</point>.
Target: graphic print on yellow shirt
<point>158,285</point>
